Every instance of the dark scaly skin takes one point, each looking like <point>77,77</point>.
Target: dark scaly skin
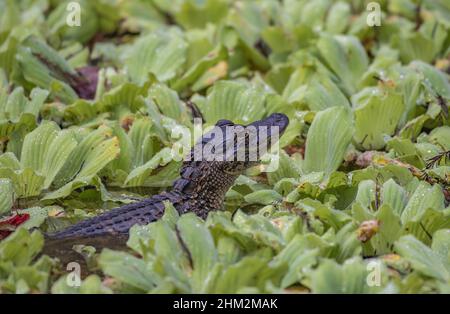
<point>201,188</point>
<point>120,219</point>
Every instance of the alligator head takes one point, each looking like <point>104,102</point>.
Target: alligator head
<point>220,156</point>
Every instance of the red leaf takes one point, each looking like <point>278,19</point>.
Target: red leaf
<point>9,224</point>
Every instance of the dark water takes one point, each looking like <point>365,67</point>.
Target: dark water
<point>63,249</point>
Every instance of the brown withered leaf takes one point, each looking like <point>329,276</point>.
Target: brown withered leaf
<point>367,229</point>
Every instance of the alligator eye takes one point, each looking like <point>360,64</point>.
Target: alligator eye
<point>224,122</point>
<point>279,117</point>
<point>282,118</point>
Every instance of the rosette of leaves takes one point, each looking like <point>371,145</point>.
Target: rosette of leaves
<point>55,162</point>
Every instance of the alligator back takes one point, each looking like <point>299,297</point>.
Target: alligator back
<point>119,220</point>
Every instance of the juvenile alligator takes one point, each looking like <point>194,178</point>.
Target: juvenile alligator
<point>202,184</point>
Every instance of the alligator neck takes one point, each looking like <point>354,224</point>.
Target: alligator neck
<point>203,185</point>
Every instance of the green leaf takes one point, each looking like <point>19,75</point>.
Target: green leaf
<point>94,17</point>
<point>169,103</point>
<point>42,66</point>
<point>239,275</point>
<point>87,162</point>
<point>6,196</point>
<point>171,254</point>
<point>125,97</point>
<point>288,167</point>
<point>96,160</point>
<point>38,215</point>
<point>338,17</point>
<point>144,144</point>
<point>440,136</point>
<point>17,110</point>
<point>260,229</point>
<point>425,196</point>
<point>331,277</point>
<point>433,78</point>
<point>394,196</point>
<point>26,182</point>
<point>9,160</point>
<point>21,247</point>
<point>263,197</point>
<point>138,175</point>
<point>366,193</point>
<point>327,140</point>
<point>377,114</point>
<point>16,104</point>
<point>415,46</point>
<point>425,224</point>
<point>315,88</point>
<point>220,222</point>
<point>200,67</point>
<point>192,14</point>
<point>441,244</point>
<point>330,216</point>
<point>389,230</point>
<point>26,278</point>
<point>46,149</point>
<point>423,258</point>
<point>298,262</point>
<point>128,269</point>
<point>201,248</point>
<point>157,53</point>
<point>233,101</point>
<point>85,150</point>
<point>337,51</point>
<point>91,285</point>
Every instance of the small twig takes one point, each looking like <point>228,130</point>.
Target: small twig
<point>425,230</point>
<point>184,247</point>
<point>418,17</point>
<point>443,104</point>
<point>196,113</point>
<point>435,160</point>
<point>377,192</point>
